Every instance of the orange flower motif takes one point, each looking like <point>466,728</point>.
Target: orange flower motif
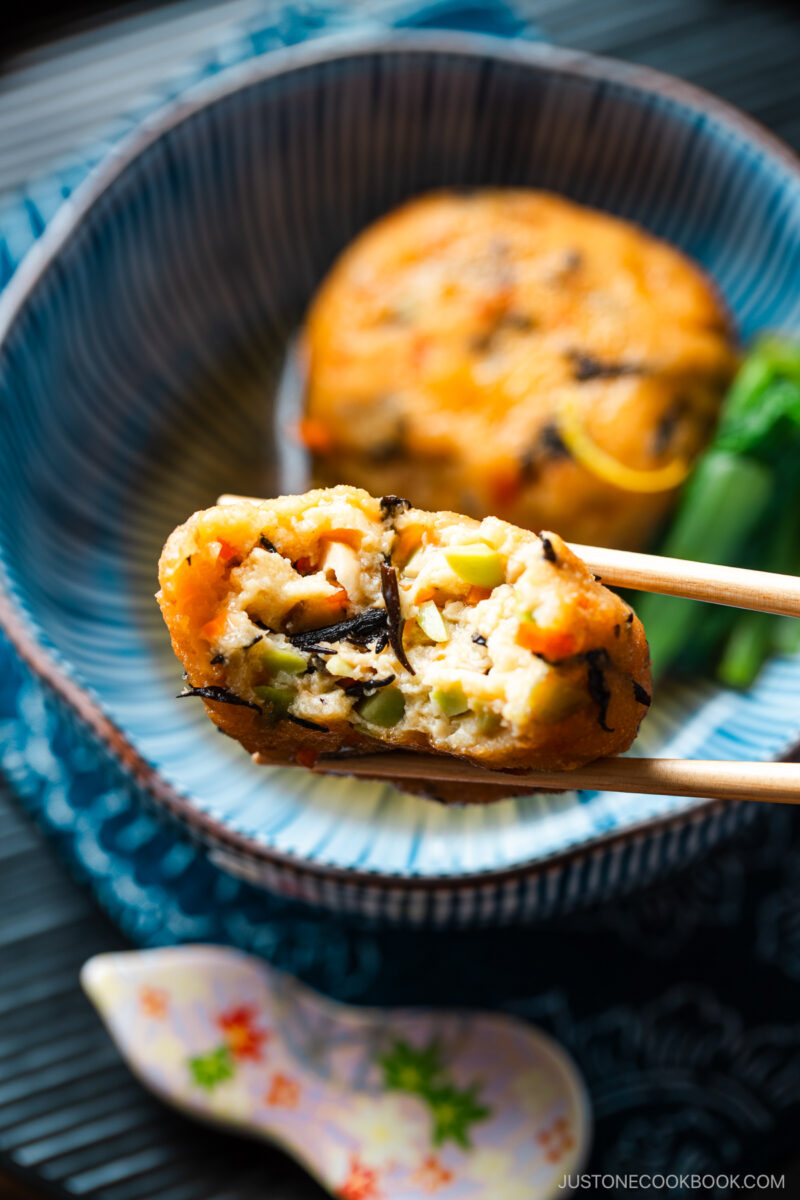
<point>284,1092</point>
<point>243,1038</point>
<point>153,1002</point>
<point>556,1140</point>
<point>361,1182</point>
<point>431,1175</point>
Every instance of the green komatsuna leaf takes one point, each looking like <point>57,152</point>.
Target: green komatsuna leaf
<point>408,1069</point>
<point>762,408</point>
<point>763,429</point>
<point>454,1111</point>
<point>208,1070</point>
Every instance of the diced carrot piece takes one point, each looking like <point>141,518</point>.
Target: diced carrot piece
<point>407,541</point>
<point>424,594</point>
<point>476,594</point>
<point>303,566</point>
<point>214,628</point>
<point>227,551</point>
<point>552,643</point>
<point>314,434</point>
<point>339,599</point>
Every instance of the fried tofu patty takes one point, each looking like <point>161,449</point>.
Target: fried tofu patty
<point>511,352</point>
<point>336,622</point>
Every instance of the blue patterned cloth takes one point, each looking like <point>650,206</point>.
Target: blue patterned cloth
<point>678,1004</point>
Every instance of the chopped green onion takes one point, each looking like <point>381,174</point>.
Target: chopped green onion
<point>477,564</point>
<point>385,708</point>
<point>451,701</point>
<point>277,659</point>
<point>432,623</point>
<point>277,699</point>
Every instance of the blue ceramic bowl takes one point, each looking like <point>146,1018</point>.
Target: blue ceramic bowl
<point>141,343</point>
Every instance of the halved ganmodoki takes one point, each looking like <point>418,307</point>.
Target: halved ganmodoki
<point>335,622</point>
<point>512,353</point>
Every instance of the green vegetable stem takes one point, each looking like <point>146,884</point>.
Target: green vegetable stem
<point>725,499</point>
<point>754,636</point>
<point>741,506</point>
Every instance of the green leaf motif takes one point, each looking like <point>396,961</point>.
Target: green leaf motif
<point>454,1111</point>
<point>208,1070</point>
<point>421,1072</point>
<point>407,1069</point>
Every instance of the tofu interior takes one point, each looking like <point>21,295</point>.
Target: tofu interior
<point>408,621</point>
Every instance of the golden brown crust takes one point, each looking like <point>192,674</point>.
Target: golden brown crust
<point>449,336</point>
<point>194,573</point>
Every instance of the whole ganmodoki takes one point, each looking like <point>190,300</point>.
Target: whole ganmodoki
<point>509,352</point>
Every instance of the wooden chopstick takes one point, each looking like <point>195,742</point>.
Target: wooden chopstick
<point>737,587</point>
<point>778,782</point>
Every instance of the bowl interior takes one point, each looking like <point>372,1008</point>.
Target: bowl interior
<point>138,377</point>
